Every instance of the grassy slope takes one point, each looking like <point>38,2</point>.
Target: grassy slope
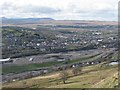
<point>91,77</point>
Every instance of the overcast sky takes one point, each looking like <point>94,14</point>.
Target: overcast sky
<point>61,9</point>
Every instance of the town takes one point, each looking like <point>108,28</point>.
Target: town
<point>43,39</point>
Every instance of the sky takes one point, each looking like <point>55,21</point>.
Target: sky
<point>103,10</point>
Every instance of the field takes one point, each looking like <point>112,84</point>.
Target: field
<point>33,66</point>
<point>96,76</point>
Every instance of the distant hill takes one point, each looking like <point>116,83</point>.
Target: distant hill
<point>23,20</point>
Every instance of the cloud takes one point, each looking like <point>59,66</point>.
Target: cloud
<point>63,9</point>
<point>40,9</point>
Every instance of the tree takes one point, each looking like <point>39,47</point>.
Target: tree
<point>76,70</point>
<point>64,76</point>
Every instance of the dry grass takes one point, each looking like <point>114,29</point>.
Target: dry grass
<point>91,76</point>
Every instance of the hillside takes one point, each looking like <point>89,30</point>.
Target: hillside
<point>22,20</point>
<point>96,76</point>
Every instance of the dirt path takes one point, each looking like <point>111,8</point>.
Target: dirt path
<point>48,76</point>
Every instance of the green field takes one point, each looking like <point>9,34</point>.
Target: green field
<point>21,68</point>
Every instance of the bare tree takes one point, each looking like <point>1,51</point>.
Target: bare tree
<point>64,76</point>
<point>76,70</point>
